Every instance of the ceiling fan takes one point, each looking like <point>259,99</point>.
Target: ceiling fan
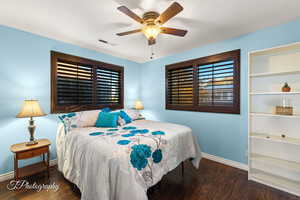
<point>152,22</point>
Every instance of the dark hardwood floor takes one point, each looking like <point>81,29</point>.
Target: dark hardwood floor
<point>212,181</point>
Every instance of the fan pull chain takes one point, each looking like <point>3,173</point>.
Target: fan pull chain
<point>152,52</point>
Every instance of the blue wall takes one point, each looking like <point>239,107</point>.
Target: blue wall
<point>25,74</point>
<point>223,135</point>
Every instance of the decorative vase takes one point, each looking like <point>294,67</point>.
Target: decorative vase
<point>286,88</point>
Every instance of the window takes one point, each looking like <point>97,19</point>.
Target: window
<point>208,84</point>
<point>81,84</point>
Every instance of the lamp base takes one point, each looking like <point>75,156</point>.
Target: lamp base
<point>30,143</point>
<point>31,129</point>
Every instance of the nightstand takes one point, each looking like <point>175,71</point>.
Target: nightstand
<point>21,152</point>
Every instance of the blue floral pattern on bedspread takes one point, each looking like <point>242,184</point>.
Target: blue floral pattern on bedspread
<point>139,156</point>
<point>123,142</point>
<point>157,156</point>
<point>96,133</point>
<point>142,157</point>
<point>129,127</point>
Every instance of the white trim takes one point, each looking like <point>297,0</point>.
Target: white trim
<point>10,175</point>
<point>6,176</point>
<point>224,161</point>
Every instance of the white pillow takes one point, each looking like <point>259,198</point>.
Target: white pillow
<point>87,118</point>
<point>133,114</point>
<point>121,121</point>
<point>70,120</point>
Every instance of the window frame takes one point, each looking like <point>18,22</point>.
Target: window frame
<point>230,55</point>
<point>56,56</point>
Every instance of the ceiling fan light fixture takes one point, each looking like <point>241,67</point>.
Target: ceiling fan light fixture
<point>152,22</point>
<point>151,31</point>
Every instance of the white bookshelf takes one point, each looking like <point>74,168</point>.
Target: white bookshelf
<point>274,159</point>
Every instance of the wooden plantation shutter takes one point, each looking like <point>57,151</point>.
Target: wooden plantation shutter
<point>215,84</point>
<point>180,86</point>
<point>79,84</point>
<point>74,84</point>
<point>108,87</point>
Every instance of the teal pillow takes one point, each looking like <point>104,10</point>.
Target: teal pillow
<point>107,119</point>
<point>126,117</point>
<point>106,109</point>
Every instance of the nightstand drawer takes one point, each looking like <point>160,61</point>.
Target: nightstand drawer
<point>32,153</point>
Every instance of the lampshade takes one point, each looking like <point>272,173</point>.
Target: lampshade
<point>138,105</point>
<point>31,108</point>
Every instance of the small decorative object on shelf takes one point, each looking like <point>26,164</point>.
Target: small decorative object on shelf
<point>283,135</point>
<point>286,108</point>
<point>282,110</point>
<point>286,87</point>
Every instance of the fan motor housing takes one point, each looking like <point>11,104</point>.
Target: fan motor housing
<point>150,17</point>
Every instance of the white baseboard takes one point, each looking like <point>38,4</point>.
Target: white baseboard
<point>225,161</point>
<point>10,175</point>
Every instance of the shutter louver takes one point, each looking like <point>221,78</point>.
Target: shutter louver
<point>74,84</point>
<point>216,84</point>
<point>108,87</point>
<point>180,86</point>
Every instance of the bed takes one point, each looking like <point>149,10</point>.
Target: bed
<point>122,163</point>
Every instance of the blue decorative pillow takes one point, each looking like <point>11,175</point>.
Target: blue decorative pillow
<point>107,119</point>
<point>126,117</point>
<point>106,109</point>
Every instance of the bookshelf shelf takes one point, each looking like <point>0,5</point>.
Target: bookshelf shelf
<point>276,181</point>
<point>275,138</point>
<point>274,115</point>
<point>275,73</point>
<point>285,164</point>
<point>274,93</point>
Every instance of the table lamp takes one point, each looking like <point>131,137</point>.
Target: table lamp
<point>31,108</point>
<point>138,105</point>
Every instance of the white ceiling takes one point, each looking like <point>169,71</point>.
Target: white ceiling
<point>83,22</point>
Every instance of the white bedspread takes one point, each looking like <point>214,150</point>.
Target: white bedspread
<point>121,164</point>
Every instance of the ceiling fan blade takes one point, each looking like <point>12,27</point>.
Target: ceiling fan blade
<point>129,32</point>
<point>173,31</point>
<point>151,41</point>
<point>130,14</point>
<point>170,12</point>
